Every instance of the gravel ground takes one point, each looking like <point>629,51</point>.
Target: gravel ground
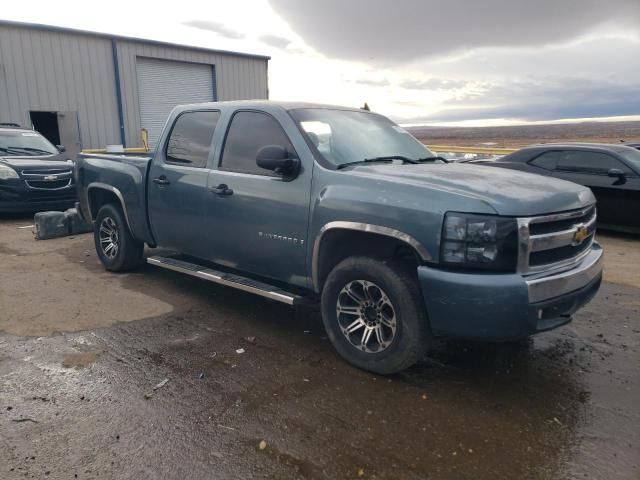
<point>81,351</point>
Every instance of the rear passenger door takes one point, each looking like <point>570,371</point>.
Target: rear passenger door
<point>177,183</point>
<point>257,220</point>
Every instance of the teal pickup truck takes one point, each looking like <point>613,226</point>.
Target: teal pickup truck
<point>307,203</point>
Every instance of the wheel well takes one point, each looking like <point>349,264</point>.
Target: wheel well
<point>338,244</point>
<point>99,197</point>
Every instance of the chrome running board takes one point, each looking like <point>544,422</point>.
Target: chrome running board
<point>228,279</point>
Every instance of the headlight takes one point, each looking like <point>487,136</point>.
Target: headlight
<point>479,241</point>
<point>7,172</point>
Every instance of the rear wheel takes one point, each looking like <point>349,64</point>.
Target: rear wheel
<point>117,249</point>
<point>374,314</point>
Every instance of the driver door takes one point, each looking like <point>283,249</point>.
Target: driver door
<point>257,220</point>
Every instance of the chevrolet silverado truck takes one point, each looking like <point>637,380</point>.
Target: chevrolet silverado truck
<point>307,203</point>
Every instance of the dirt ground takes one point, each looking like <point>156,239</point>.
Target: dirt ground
<point>81,351</point>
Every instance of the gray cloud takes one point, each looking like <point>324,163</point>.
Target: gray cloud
<point>215,27</point>
<point>371,82</point>
<point>542,99</point>
<point>275,41</point>
<point>391,32</point>
<point>597,58</point>
<point>433,84</point>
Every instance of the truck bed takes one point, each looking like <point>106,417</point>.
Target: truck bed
<point>124,176</point>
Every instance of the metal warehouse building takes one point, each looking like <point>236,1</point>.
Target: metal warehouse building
<point>88,90</point>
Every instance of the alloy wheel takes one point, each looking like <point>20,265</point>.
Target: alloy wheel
<point>109,238</point>
<point>366,316</point>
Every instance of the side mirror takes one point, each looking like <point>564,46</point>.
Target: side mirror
<point>61,148</point>
<point>278,160</point>
<point>616,173</point>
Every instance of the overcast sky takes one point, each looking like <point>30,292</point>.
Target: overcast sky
<point>464,62</point>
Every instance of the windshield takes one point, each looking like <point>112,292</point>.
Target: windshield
<point>24,143</point>
<point>345,136</point>
<point>632,156</point>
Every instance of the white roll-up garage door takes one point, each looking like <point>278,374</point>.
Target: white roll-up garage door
<point>163,84</point>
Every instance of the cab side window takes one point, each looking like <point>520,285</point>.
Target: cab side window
<point>190,139</point>
<point>248,133</point>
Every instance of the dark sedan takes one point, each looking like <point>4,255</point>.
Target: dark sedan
<point>611,171</point>
<point>34,174</point>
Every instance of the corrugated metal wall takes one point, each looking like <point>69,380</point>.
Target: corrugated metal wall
<point>60,70</point>
<point>55,71</point>
<point>164,84</point>
<point>237,77</point>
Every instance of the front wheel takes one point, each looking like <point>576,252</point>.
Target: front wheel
<point>117,249</point>
<point>374,314</point>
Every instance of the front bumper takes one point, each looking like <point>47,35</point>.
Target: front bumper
<point>15,196</point>
<point>507,306</point>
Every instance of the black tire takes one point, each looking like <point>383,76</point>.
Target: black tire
<point>399,348</point>
<point>128,251</point>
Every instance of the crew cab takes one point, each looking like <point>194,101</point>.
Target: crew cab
<point>34,174</point>
<point>309,203</point>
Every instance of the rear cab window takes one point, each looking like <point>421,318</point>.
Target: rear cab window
<point>248,132</point>
<point>190,139</point>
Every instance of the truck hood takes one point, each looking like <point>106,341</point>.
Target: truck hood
<point>53,162</point>
<point>507,192</point>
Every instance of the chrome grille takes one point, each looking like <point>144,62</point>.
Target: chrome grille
<point>47,179</point>
<point>554,242</point>
<point>49,184</point>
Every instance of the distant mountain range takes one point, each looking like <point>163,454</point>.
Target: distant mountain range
<point>521,135</point>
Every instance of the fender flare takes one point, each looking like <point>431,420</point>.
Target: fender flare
<point>112,189</point>
<point>362,227</point>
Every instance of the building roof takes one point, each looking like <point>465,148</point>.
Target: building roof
<point>53,28</point>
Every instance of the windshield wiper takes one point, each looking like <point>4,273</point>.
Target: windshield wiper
<point>32,152</point>
<point>36,150</point>
<point>377,159</point>
<point>11,150</point>
<point>432,159</point>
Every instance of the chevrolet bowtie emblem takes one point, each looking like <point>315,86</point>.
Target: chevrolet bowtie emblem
<point>51,177</point>
<point>581,234</point>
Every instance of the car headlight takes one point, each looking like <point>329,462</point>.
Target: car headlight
<point>479,241</point>
<point>7,172</point>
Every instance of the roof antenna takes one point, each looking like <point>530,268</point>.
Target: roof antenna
<point>366,107</point>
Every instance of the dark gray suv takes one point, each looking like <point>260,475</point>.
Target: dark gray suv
<point>34,174</point>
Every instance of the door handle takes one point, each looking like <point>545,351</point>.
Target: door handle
<point>221,189</point>
<point>161,180</point>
